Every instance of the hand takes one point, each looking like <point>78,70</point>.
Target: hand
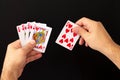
<point>93,34</point>
<point>17,57</point>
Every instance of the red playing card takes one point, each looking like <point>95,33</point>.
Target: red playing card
<point>66,37</point>
<point>41,36</point>
<point>21,34</point>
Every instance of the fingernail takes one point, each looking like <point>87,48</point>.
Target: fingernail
<point>32,42</point>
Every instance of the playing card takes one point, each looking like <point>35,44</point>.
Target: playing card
<point>21,34</point>
<point>25,32</point>
<point>39,32</point>
<point>41,36</point>
<point>66,37</point>
<point>30,30</point>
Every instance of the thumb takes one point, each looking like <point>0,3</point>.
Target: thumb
<point>80,31</point>
<point>29,46</point>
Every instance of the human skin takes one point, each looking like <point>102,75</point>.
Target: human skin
<point>16,58</point>
<point>94,35</point>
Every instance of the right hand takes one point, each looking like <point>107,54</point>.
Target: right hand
<point>93,34</point>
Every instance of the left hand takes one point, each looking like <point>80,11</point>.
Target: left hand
<point>17,56</point>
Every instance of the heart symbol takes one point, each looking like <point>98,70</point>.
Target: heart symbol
<point>71,39</point>
<point>61,41</point>
<point>29,27</point>
<point>74,34</point>
<point>66,40</point>
<point>67,30</point>
<point>64,36</point>
<point>69,25</point>
<point>40,47</point>
<point>69,45</point>
<point>23,27</point>
<point>18,29</point>
<point>37,28</point>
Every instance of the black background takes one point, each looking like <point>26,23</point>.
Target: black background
<point>57,62</point>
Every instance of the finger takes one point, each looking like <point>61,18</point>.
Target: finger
<point>29,46</point>
<point>80,31</point>
<point>15,44</point>
<point>86,44</point>
<point>32,53</point>
<point>81,42</point>
<point>35,57</point>
<point>85,22</point>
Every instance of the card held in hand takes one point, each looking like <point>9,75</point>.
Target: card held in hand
<point>41,36</point>
<point>66,37</point>
<point>39,32</point>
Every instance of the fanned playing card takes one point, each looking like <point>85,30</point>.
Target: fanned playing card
<point>41,35</point>
<point>21,34</point>
<point>66,37</point>
<point>39,32</point>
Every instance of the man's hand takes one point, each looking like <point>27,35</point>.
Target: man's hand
<point>16,59</point>
<point>94,35</point>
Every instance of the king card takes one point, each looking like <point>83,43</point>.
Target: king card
<point>41,36</point>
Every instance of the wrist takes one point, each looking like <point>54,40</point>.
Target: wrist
<point>111,49</point>
<point>8,74</point>
<point>113,53</point>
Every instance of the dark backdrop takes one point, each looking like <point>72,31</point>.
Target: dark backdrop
<point>57,62</point>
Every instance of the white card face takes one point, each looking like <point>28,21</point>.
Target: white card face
<point>21,34</point>
<point>66,37</point>
<point>41,36</point>
<point>26,30</point>
<point>41,24</point>
<point>30,30</point>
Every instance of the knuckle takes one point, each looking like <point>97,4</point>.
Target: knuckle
<point>98,23</point>
<point>84,18</point>
<point>9,45</point>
